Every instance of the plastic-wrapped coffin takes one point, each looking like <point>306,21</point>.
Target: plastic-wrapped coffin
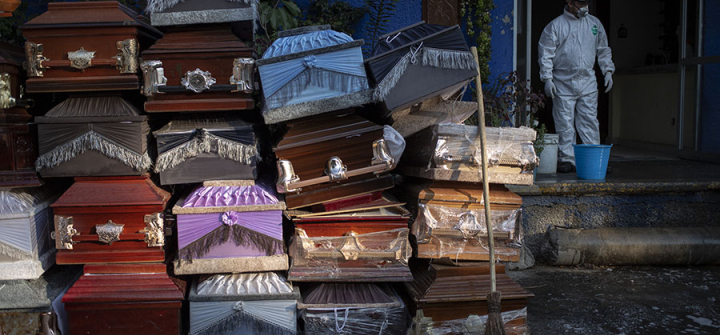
<point>34,306</point>
<point>352,309</point>
<point>198,69</point>
<point>454,296</point>
<point>514,323</point>
<point>110,220</point>
<point>76,47</point>
<point>310,71</point>
<point>124,299</point>
<point>369,246</point>
<point>450,221</point>
<point>243,14</point>
<point>26,249</point>
<point>334,148</point>
<point>17,137</point>
<point>230,229</point>
<point>452,152</point>
<point>419,62</point>
<point>243,304</point>
<point>195,150</point>
<point>92,136</point>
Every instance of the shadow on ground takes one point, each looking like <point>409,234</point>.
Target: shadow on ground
<point>622,300</point>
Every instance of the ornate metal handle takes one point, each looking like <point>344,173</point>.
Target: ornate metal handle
<point>64,232</point>
<point>34,59</point>
<point>109,232</point>
<point>243,71</point>
<point>126,60</point>
<point>335,169</point>
<point>153,77</point>
<point>154,230</point>
<point>6,99</point>
<point>198,80</point>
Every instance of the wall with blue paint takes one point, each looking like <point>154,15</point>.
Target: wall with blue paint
<point>710,100</point>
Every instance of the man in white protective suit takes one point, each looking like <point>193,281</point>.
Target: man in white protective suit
<point>567,50</point>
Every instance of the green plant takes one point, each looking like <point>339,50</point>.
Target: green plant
<point>380,12</point>
<point>9,32</point>
<point>478,19</point>
<point>275,15</point>
<point>340,15</point>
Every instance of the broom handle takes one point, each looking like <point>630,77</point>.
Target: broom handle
<point>486,183</point>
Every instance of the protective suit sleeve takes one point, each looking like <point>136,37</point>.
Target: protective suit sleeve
<point>604,53</point>
<point>546,52</point>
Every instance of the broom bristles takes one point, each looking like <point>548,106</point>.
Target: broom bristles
<point>494,325</point>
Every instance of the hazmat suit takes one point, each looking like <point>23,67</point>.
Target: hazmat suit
<point>567,50</point>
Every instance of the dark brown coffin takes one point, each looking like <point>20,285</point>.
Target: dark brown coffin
<point>353,247</point>
<point>87,215</point>
<point>124,299</point>
<point>93,136</point>
<point>345,141</point>
<point>215,52</point>
<point>352,187</point>
<point>17,136</point>
<point>450,220</point>
<point>451,152</point>
<point>446,293</point>
<point>115,33</point>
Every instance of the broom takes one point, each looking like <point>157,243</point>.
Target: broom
<point>494,325</point>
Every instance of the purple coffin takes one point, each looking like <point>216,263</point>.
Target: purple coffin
<point>230,229</point>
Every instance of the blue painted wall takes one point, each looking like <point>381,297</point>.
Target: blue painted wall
<point>710,100</point>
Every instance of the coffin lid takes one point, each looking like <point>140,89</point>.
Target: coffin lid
<point>468,193</point>
<point>414,34</point>
<point>128,283</point>
<point>216,199</point>
<point>189,125</point>
<point>243,286</point>
<point>442,283</point>
<point>112,191</point>
<point>336,295</point>
<point>324,128</point>
<point>38,293</point>
<point>89,14</point>
<point>92,109</point>
<point>27,200</point>
<point>302,40</point>
<point>189,40</point>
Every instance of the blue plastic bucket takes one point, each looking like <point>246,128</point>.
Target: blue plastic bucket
<point>591,160</point>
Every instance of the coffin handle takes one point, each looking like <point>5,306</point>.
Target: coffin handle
<point>127,56</point>
<point>154,230</point>
<point>48,324</point>
<point>34,59</point>
<point>153,77</point>
<point>64,232</point>
<point>243,74</point>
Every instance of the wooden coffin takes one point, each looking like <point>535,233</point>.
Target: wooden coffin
<point>124,299</point>
<point>76,47</point>
<point>450,221</point>
<point>26,249</point>
<point>369,246</point>
<point>110,220</point>
<point>415,118</point>
<point>332,148</point>
<point>17,136</point>
<point>198,69</point>
<point>230,229</point>
<point>312,70</point>
<point>31,307</point>
<point>452,152</point>
<point>351,188</point>
<point>192,150</point>
<point>243,304</point>
<point>93,136</point>
<point>352,309</point>
<point>419,62</point>
<point>241,14</point>
<point>447,293</point>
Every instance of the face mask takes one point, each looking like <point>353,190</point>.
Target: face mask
<point>583,12</point>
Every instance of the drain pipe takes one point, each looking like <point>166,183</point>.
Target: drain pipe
<point>633,246</point>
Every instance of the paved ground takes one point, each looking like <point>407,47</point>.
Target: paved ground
<point>622,300</point>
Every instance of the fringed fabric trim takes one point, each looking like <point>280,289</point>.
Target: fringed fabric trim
<point>448,59</point>
<point>93,141</point>
<point>241,318</point>
<point>155,6</point>
<point>338,81</point>
<point>239,235</point>
<point>13,252</point>
<point>205,142</point>
<point>444,59</point>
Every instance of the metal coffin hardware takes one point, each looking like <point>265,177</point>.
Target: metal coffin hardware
<point>153,77</point>
<point>81,59</point>
<point>197,80</point>
<point>6,100</point>
<point>352,249</point>
<point>381,155</point>
<point>243,71</point>
<point>127,56</point>
<point>286,176</point>
<point>154,230</point>
<point>64,232</point>
<point>109,232</point>
<point>335,169</point>
<point>34,59</point>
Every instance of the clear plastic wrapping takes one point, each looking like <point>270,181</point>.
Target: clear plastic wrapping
<point>461,233</point>
<point>512,147</point>
<point>353,309</point>
<point>377,256</point>
<point>515,323</point>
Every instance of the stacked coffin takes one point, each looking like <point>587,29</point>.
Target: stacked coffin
<point>333,168</point>
<point>111,218</point>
